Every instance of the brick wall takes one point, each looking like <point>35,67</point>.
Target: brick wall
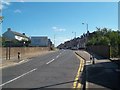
<point>100,50</point>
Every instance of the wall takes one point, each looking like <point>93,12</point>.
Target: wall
<point>25,52</point>
<point>100,50</point>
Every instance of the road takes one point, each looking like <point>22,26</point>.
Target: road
<point>54,70</point>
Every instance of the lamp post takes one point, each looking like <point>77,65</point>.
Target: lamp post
<point>74,34</point>
<point>86,34</point>
<point>86,25</point>
<point>85,40</point>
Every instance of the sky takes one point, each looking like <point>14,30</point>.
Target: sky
<point>59,19</point>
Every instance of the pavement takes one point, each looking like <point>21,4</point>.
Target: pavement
<point>53,70</point>
<point>104,74</point>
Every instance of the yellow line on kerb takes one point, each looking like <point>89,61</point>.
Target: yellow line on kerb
<point>77,84</point>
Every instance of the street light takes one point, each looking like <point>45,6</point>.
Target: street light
<point>86,34</point>
<point>86,25</point>
<point>74,33</point>
<point>85,39</point>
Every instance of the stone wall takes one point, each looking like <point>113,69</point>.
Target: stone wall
<point>25,52</point>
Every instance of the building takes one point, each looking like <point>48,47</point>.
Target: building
<point>12,35</point>
<point>38,41</point>
<point>14,39</point>
<point>76,43</point>
<point>49,43</point>
<point>61,46</point>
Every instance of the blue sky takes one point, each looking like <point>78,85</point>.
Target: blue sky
<point>59,18</point>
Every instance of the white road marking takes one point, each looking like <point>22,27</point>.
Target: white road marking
<point>50,61</point>
<point>53,59</point>
<point>17,77</point>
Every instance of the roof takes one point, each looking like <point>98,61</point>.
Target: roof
<point>19,34</point>
<point>39,37</point>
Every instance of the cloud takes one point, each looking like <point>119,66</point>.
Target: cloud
<point>57,29</point>
<point>54,28</point>
<point>21,0</point>
<point>3,4</point>
<point>17,11</point>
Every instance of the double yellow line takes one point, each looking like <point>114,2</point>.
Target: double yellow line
<point>77,83</point>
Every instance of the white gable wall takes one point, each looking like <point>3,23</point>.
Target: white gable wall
<point>20,38</point>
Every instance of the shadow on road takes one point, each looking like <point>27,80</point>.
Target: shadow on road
<point>82,78</point>
<point>48,86</point>
<point>103,75</point>
<point>116,62</point>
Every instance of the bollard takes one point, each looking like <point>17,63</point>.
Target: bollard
<point>18,55</point>
<point>93,61</point>
<point>90,58</point>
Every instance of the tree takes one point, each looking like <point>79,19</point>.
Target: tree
<point>106,37</point>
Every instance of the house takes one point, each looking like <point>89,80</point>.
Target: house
<point>39,41</point>
<point>14,39</point>
<point>76,43</point>
<point>12,35</point>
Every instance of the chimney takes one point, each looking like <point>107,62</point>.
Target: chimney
<point>9,29</point>
<point>23,33</point>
